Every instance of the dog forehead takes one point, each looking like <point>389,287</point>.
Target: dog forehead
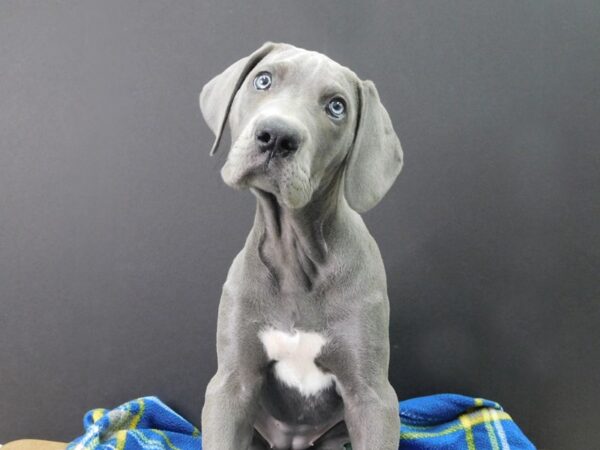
<point>306,66</point>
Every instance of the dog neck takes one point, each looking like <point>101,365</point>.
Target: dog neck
<point>294,244</point>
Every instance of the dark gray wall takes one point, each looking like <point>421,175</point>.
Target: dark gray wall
<point>116,231</point>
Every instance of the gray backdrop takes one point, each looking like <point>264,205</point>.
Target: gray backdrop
<point>116,230</point>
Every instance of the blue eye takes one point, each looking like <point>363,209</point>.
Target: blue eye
<point>263,81</point>
<point>336,108</point>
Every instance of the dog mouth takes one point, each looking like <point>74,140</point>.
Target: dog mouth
<point>273,155</point>
<point>286,177</point>
<point>252,168</point>
<point>265,162</point>
<point>268,196</point>
<point>270,155</point>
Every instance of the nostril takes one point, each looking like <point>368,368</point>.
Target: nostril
<point>289,144</point>
<point>264,137</point>
<point>276,138</point>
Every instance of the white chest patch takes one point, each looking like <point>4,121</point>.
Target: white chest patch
<point>295,359</point>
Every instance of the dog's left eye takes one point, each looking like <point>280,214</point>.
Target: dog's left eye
<point>263,81</point>
<point>336,108</point>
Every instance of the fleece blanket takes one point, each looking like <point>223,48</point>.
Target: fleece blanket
<point>445,421</point>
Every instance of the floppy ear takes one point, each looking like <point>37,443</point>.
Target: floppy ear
<point>217,95</point>
<point>375,159</point>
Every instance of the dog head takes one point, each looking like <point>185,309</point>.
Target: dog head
<point>297,121</point>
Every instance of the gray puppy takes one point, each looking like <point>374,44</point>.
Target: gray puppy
<point>302,333</point>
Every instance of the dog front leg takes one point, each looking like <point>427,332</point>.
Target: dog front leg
<point>229,409</point>
<point>371,415</point>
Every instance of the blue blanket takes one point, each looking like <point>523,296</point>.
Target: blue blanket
<point>445,421</point>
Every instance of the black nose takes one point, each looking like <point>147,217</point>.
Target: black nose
<point>277,137</point>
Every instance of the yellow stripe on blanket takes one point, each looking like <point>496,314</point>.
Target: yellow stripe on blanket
<point>475,418</point>
<point>490,429</point>
<point>138,416</point>
<point>121,437</point>
<point>466,424</point>
<point>97,414</point>
<point>154,443</point>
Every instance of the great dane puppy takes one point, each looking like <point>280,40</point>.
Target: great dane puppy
<point>303,323</point>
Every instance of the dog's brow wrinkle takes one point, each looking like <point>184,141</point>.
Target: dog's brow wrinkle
<point>316,68</point>
<point>280,67</point>
<point>295,54</point>
<point>306,59</point>
<point>333,89</point>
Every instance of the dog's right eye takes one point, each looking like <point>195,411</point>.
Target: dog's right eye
<point>336,108</point>
<point>263,81</point>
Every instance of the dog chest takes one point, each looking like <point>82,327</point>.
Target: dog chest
<point>294,355</point>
